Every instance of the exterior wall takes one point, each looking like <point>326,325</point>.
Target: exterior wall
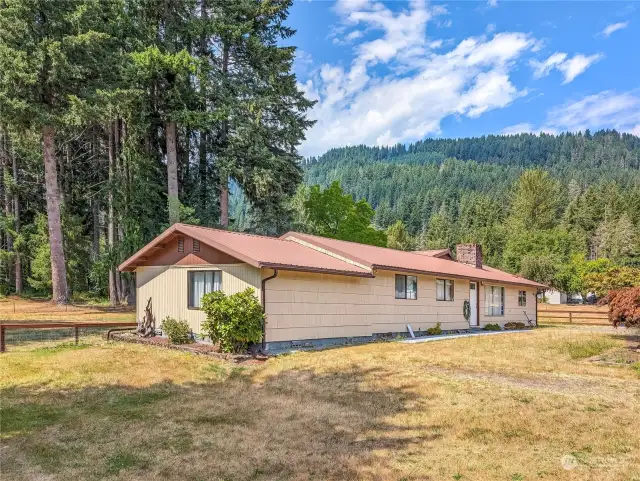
<point>316,306</point>
<point>512,312</point>
<point>167,287</point>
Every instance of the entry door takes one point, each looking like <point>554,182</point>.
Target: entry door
<point>473,301</point>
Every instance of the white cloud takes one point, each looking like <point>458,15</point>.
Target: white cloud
<point>542,69</point>
<point>570,67</point>
<point>576,65</point>
<point>399,89</point>
<point>492,3</point>
<point>606,109</point>
<point>614,27</point>
<point>521,128</point>
<point>635,130</point>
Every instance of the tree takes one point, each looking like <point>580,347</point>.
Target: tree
<point>399,238</point>
<point>536,201</point>
<point>52,64</point>
<point>332,213</point>
<point>616,277</point>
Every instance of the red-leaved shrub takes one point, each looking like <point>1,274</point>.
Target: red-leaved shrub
<point>624,306</point>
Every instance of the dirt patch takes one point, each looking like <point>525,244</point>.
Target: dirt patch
<point>200,348</point>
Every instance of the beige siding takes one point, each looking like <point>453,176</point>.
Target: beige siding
<point>167,287</point>
<point>512,312</point>
<point>317,306</point>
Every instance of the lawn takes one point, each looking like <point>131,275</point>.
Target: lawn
<point>16,309</point>
<point>510,407</point>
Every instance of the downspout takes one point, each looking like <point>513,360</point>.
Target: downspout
<point>264,306</point>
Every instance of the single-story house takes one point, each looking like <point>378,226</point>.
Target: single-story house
<point>314,288</point>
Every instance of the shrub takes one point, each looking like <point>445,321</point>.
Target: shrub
<point>624,306</point>
<point>434,331</point>
<point>233,321</point>
<point>510,326</point>
<point>492,327</point>
<point>178,331</point>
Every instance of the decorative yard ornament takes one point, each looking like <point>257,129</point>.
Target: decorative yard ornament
<point>146,325</point>
<point>466,310</point>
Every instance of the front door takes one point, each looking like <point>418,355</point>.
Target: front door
<point>473,301</point>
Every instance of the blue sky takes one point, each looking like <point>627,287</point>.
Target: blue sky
<point>388,72</point>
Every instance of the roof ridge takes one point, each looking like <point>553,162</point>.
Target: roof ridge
<point>248,234</point>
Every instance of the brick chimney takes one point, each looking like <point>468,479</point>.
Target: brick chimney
<point>469,254</point>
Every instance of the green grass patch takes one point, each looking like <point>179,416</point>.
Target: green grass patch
<point>22,418</point>
<point>636,367</point>
<point>124,460</point>
<point>587,348</point>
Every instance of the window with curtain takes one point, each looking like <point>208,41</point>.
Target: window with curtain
<point>406,287</point>
<point>494,300</point>
<point>201,283</point>
<point>444,290</point>
<point>522,298</point>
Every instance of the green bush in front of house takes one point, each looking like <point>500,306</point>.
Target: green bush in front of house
<point>178,331</point>
<point>492,327</point>
<point>434,331</point>
<point>233,321</point>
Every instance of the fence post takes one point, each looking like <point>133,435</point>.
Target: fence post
<point>570,317</point>
<point>2,346</point>
<point>75,333</point>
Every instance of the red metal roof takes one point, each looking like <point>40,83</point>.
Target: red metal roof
<point>258,251</point>
<point>309,253</point>
<point>391,259</point>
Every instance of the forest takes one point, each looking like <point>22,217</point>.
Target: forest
<point>118,119</point>
<point>554,208</point>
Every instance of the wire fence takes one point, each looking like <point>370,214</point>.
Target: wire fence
<point>52,334</point>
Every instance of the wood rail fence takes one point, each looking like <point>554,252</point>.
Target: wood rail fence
<point>573,315</point>
<point>76,326</point>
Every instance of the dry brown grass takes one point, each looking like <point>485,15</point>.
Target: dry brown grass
<point>507,407</point>
<point>15,309</point>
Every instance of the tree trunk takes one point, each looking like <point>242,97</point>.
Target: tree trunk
<point>95,237</point>
<point>16,221</point>
<point>113,292</point>
<point>202,145</point>
<point>58,262</point>
<point>8,202</point>
<point>172,172</point>
<point>224,177</point>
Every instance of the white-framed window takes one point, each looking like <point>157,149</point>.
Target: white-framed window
<point>494,300</point>
<point>522,298</point>
<point>406,287</point>
<point>200,283</point>
<point>444,290</point>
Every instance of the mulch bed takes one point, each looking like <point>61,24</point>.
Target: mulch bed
<point>199,348</point>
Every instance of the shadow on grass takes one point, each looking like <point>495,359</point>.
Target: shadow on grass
<point>296,424</point>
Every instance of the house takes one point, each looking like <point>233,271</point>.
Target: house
<point>558,297</point>
<point>316,289</point>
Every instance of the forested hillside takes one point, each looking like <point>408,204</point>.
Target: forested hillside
<point>447,191</point>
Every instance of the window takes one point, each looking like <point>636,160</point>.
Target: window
<point>180,244</point>
<point>201,283</point>
<point>494,300</point>
<point>196,245</point>
<point>522,298</point>
<point>444,290</point>
<point>406,287</point>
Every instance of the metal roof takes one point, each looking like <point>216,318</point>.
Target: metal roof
<point>309,253</point>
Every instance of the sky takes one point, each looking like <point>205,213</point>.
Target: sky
<point>395,72</point>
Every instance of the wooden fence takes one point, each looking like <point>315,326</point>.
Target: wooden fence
<point>563,314</point>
